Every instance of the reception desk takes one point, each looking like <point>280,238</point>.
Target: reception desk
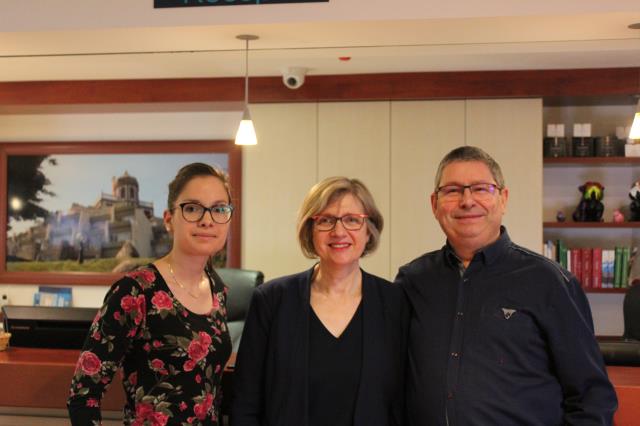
<point>40,379</point>
<point>627,383</point>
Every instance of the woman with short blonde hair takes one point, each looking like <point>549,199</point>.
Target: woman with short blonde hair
<point>325,346</point>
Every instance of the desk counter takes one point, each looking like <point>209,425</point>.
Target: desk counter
<point>40,378</point>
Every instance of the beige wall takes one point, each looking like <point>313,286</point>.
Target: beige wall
<point>422,133</point>
<point>353,140</point>
<point>511,131</point>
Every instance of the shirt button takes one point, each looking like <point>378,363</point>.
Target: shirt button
<point>455,355</point>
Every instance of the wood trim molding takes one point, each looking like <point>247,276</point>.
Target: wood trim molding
<point>325,88</point>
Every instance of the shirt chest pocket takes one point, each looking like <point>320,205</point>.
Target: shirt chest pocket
<point>509,334</point>
<point>502,319</point>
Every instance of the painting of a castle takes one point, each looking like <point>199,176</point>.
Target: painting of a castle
<point>117,224</point>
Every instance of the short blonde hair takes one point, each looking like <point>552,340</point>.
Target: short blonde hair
<point>326,192</point>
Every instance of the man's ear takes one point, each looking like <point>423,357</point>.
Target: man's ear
<point>504,197</point>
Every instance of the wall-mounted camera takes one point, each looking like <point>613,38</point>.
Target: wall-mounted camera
<point>293,77</point>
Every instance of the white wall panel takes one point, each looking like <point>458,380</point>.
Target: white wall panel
<point>119,126</point>
<point>354,142</point>
<point>277,173</point>
<point>510,130</point>
<point>422,132</point>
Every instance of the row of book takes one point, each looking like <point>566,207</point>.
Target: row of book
<point>594,267</point>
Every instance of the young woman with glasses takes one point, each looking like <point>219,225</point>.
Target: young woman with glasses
<point>325,346</point>
<point>165,323</point>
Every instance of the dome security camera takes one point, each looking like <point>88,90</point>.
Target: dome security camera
<point>293,77</point>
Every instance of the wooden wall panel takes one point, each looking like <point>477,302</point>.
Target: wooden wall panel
<point>277,174</point>
<point>398,86</point>
<point>422,132</point>
<point>354,142</point>
<point>511,132</point>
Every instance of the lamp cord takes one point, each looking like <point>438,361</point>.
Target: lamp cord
<point>246,74</point>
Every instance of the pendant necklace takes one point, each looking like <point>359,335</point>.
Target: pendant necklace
<point>180,284</point>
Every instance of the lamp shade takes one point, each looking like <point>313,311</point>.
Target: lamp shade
<point>634,133</point>
<point>246,134</point>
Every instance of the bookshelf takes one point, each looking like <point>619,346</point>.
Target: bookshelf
<point>563,175</point>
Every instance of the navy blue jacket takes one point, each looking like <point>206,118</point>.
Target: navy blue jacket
<point>507,341</point>
<point>271,377</point>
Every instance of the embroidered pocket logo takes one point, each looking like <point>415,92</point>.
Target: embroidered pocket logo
<point>508,313</point>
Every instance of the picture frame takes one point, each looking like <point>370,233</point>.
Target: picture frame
<point>92,160</point>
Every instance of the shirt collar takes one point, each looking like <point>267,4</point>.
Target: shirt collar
<point>487,255</point>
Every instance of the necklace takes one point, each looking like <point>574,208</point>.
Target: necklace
<point>180,284</point>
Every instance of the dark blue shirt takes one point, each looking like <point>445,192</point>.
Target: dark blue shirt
<point>507,341</point>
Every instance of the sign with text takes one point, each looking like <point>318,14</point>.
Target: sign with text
<point>190,3</point>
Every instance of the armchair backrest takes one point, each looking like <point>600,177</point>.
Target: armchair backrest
<point>241,283</point>
<point>631,313</point>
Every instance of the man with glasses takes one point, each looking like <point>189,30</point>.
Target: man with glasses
<point>499,335</point>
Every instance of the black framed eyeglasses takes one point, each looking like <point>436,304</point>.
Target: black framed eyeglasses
<point>479,191</point>
<point>350,222</point>
<point>194,212</point>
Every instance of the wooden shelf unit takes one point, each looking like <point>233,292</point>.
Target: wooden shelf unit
<point>591,161</point>
<point>599,228</point>
<point>592,225</point>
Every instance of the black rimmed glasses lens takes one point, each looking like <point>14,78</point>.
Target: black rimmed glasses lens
<point>194,212</point>
<point>479,191</point>
<point>350,222</point>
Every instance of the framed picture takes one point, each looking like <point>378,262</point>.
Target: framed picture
<point>77,213</point>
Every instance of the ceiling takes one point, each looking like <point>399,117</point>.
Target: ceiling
<point>124,39</point>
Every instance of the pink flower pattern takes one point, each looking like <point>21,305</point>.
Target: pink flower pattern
<point>162,300</point>
<point>201,409</point>
<point>89,363</point>
<point>141,317</point>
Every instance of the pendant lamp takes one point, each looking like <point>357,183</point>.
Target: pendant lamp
<point>634,133</point>
<point>246,134</point>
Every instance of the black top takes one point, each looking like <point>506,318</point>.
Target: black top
<point>334,371</point>
<point>172,359</point>
<point>271,379</point>
<point>507,341</point>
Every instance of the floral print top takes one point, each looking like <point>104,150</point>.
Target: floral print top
<point>172,359</point>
